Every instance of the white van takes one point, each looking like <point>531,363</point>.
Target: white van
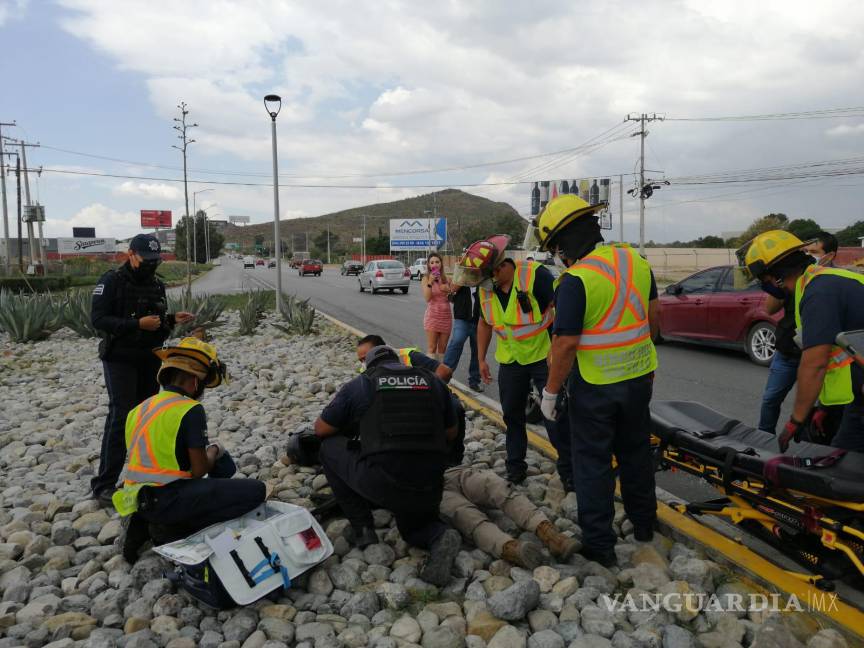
<point>248,262</point>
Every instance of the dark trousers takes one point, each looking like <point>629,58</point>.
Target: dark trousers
<point>606,420</point>
<point>128,383</point>
<point>514,386</point>
<point>850,436</point>
<point>185,506</point>
<point>361,484</point>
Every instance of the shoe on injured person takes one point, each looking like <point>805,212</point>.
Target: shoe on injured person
<point>523,554</point>
<point>560,545</point>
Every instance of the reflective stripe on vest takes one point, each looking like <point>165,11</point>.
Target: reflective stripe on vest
<point>837,384</point>
<point>160,414</point>
<point>405,355</point>
<point>615,344</point>
<point>521,336</point>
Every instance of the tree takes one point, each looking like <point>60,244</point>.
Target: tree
<point>709,242</point>
<point>763,224</point>
<point>216,239</point>
<point>851,235</point>
<point>804,228</point>
<point>378,244</point>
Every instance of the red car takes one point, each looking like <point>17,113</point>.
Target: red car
<point>310,266</point>
<point>707,308</point>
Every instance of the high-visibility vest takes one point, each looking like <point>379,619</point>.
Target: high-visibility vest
<point>522,337</point>
<point>837,385</point>
<point>615,344</point>
<point>405,355</point>
<point>151,437</point>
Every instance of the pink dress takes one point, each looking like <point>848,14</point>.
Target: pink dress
<point>438,316</point>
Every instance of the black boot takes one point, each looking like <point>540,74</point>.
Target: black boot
<point>441,557</point>
<point>134,534</point>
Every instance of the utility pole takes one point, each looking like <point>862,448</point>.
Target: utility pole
<point>621,209</point>
<point>328,243</point>
<point>35,244</point>
<point>8,254</point>
<point>181,126</point>
<point>642,133</point>
<point>363,246</point>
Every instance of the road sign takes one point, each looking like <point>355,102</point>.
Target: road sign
<point>417,233</point>
<point>155,218</point>
<point>34,214</point>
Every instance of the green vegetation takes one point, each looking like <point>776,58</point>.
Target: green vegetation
<point>851,235</point>
<point>298,315</point>
<point>29,318</point>
<point>252,310</point>
<point>23,284</point>
<point>76,313</point>
<point>217,241</point>
<point>206,308</point>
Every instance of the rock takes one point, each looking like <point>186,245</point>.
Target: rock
<point>239,627</point>
<point>313,632</point>
<point>442,637</point>
<point>647,553</point>
<point>427,620</point>
<point>484,625</point>
<point>210,639</point>
<point>546,577</point>
<point>344,577</point>
<point>545,639</point>
<point>569,631</point>
<point>277,629</point>
<point>134,624</point>
<point>393,595</point>
<point>827,638</point>
<point>69,622</point>
<point>566,586</point>
<point>508,637</point>
<point>686,603</point>
<point>516,601</point>
<point>542,620</point>
<point>284,612</point>
<point>640,638</point>
<point>165,626</point>
<point>379,554</point>
<point>319,583</point>
<point>169,605</point>
<point>37,609</point>
<point>591,641</point>
<point>495,584</point>
<point>365,603</point>
<point>692,570</point>
<point>677,637</point>
<point>597,621</point>
<point>109,532</point>
<point>406,629</point>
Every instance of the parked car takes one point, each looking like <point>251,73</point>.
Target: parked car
<point>351,268</point>
<point>310,266</point>
<point>271,263</point>
<point>259,262</point>
<point>417,269</point>
<point>708,308</point>
<point>295,263</point>
<point>384,275</point>
<point>248,262</point>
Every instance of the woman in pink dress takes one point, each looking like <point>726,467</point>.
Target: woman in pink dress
<point>438,319</point>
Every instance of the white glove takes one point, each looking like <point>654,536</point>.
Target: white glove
<point>547,405</point>
<point>220,449</point>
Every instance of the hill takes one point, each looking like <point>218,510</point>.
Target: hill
<point>469,218</point>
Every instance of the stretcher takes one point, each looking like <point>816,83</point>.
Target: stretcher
<point>808,502</point>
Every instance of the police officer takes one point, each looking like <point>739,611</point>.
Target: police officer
<point>404,419</point>
<point>518,310</point>
<point>129,311</point>
<point>606,307</point>
<point>164,495</point>
<point>828,301</point>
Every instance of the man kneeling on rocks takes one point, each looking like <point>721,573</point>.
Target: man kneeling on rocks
<point>168,454</point>
<point>467,489</point>
<point>404,418</point>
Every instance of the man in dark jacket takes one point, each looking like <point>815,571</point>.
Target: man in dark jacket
<point>466,313</point>
<point>130,312</point>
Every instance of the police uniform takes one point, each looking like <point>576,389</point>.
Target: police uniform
<point>523,343</point>
<point>397,459</point>
<point>604,299</point>
<point>120,299</point>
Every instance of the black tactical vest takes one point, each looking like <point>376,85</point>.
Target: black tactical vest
<point>405,416</point>
<point>136,300</point>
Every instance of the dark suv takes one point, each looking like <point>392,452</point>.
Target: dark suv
<point>351,268</point>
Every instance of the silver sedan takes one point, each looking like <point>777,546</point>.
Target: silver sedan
<point>384,275</point>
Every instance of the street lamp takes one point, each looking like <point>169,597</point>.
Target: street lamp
<point>194,222</point>
<point>207,233</point>
<point>273,104</point>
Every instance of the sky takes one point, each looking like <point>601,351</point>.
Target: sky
<point>377,98</point>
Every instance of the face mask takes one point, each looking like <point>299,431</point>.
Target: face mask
<point>146,269</point>
<point>818,258</point>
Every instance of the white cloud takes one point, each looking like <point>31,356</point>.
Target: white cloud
<point>150,190</point>
<point>107,221</point>
<point>12,9</point>
<point>844,130</point>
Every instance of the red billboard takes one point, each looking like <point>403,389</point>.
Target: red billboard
<point>155,218</point>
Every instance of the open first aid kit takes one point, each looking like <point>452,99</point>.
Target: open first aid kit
<point>242,560</point>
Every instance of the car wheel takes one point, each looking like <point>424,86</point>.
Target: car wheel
<point>532,408</point>
<point>761,343</point>
<point>404,291</point>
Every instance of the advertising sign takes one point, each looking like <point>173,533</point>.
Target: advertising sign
<point>592,190</point>
<point>84,232</point>
<point>84,245</point>
<point>155,218</point>
<point>417,233</point>
<point>34,214</point>
<point>237,220</point>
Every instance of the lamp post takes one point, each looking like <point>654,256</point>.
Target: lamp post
<point>207,234</point>
<point>195,222</point>
<point>273,104</point>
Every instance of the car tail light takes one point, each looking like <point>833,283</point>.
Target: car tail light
<point>407,274</point>
<point>379,274</point>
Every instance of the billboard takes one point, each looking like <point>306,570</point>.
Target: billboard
<point>84,232</point>
<point>592,190</point>
<point>237,220</point>
<point>417,233</point>
<point>85,245</point>
<point>155,218</point>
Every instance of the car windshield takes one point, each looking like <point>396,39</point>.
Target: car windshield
<point>390,265</point>
<point>315,262</point>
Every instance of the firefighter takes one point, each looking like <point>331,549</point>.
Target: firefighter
<point>828,301</point>
<point>164,497</point>
<point>603,355</point>
<point>130,312</point>
<point>404,419</point>
<point>515,306</point>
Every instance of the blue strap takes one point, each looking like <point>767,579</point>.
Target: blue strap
<point>275,567</point>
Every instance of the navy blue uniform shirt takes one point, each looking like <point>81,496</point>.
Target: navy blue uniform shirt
<point>543,290</point>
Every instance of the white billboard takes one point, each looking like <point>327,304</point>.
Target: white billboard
<point>80,245</point>
<point>238,220</point>
<point>417,233</point>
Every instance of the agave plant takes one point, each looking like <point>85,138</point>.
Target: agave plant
<point>299,316</point>
<point>206,308</point>
<point>250,316</point>
<point>28,318</point>
<point>76,313</point>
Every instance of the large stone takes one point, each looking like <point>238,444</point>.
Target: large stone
<point>69,622</point>
<point>542,620</point>
<point>406,629</point>
<point>38,609</point>
<point>647,553</point>
<point>90,524</point>
<point>109,532</point>
<point>516,601</point>
<point>239,627</point>
<point>508,637</point>
<point>566,586</point>
<point>442,637</point>
<point>484,625</point>
<point>393,595</point>
<point>598,621</point>
<point>546,577</point>
<point>546,639</point>
<point>365,603</point>
<point>319,583</point>
<point>277,629</point>
<point>677,637</point>
<point>591,641</point>
<point>827,638</point>
<point>314,632</point>
<point>284,612</point>
<point>344,577</point>
<point>379,554</point>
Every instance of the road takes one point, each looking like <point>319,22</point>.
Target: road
<point>724,380</point>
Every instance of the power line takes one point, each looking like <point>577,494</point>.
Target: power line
<point>829,113</point>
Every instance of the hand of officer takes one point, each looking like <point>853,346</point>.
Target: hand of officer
<point>792,430</point>
<point>217,449</point>
<point>485,374</point>
<point>150,323</point>
<point>547,405</point>
<point>182,317</point>
<point>817,423</point>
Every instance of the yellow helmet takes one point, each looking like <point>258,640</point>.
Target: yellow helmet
<point>196,357</point>
<point>768,248</point>
<point>559,213</point>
